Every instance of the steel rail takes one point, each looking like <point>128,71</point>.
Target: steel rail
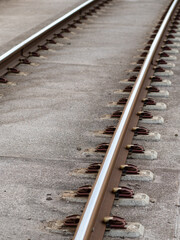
<point>86,224</point>
<point>33,43</point>
<point>44,30</point>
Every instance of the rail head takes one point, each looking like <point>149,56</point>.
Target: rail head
<point>32,42</point>
<point>85,226</point>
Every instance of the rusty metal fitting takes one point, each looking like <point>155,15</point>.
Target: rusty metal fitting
<point>83,17</point>
<point>144,114</point>
<point>172,31</point>
<point>24,61</point>
<point>114,222</point>
<point>109,130</point>
<point>128,88</point>
<point>155,31</point>
<point>141,60</point>
<point>34,54</point>
<point>137,69</point>
<point>102,147</point>
<point>83,191</point>
<point>116,114</point>
<point>148,101</point>
<point>132,79</point>
<point>140,131</point>
<point>88,13</point>
<point>65,30</point>
<point>93,168</point>
<point>42,47</point>
<point>152,89</point>
<point>129,169</point>
<point>151,40</point>
<point>144,54</point>
<point>158,69</point>
<point>162,61</point>
<point>152,37</point>
<point>78,21</point>
<point>173,27</point>
<point>155,79</point>
<point>51,41</point>
<point>123,192</point>
<point>146,48</point>
<point>3,80</point>
<point>93,10</point>
<point>163,54</point>
<point>170,36</point>
<point>13,70</point>
<point>58,35</point>
<point>165,48</point>
<point>122,101</point>
<point>72,25</point>
<point>135,148</point>
<point>71,221</point>
<point>168,42</point>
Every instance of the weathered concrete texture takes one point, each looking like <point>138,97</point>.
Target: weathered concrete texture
<point>19,19</point>
<point>49,117</point>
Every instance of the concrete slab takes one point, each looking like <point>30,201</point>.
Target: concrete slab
<point>48,115</point>
<point>20,19</point>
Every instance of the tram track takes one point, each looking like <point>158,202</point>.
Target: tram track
<point>149,69</point>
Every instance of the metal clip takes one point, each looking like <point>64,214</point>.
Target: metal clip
<point>72,25</point>
<point>116,114</point>
<point>83,191</point>
<point>13,70</point>
<point>152,89</point>
<point>168,42</point>
<point>58,35</point>
<point>34,54</point>
<point>3,80</point>
<point>159,69</point>
<point>123,192</point>
<point>109,130</point>
<point>165,48</point>
<point>42,47</point>
<point>163,54</point>
<point>135,148</point>
<point>132,79</point>
<point>140,131</point>
<point>122,101</point>
<point>144,54</point>
<point>137,69</point>
<point>128,88</point>
<point>93,168</point>
<point>148,101</point>
<point>162,61</point>
<point>146,48</point>
<point>144,114</point>
<point>155,79</point>
<point>51,41</point>
<point>24,61</point>
<point>114,222</point>
<point>129,169</point>
<point>102,147</point>
<point>71,221</point>
<point>170,36</point>
<point>66,30</point>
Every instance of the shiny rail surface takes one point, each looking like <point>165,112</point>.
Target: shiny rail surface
<point>23,49</point>
<point>86,225</point>
<point>44,30</point>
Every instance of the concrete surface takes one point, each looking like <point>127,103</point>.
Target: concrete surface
<point>50,113</point>
<point>19,19</point>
